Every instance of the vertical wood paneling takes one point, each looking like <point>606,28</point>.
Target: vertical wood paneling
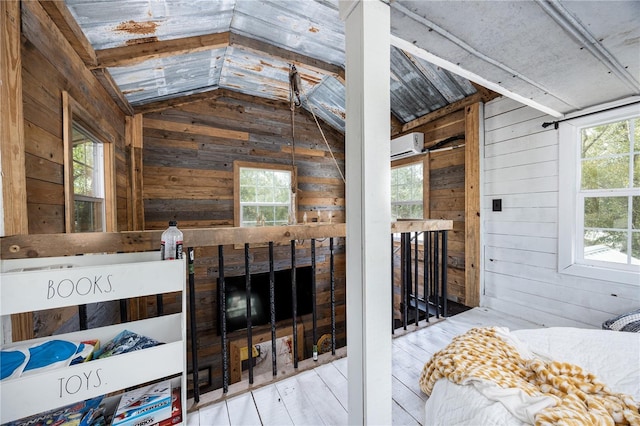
<point>472,205</point>
<point>444,189</point>
<point>14,196</point>
<point>134,139</point>
<point>520,243</point>
<point>11,122</point>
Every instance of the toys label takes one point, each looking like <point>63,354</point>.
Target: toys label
<point>75,383</point>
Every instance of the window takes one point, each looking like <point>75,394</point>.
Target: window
<point>407,191</point>
<point>602,158</point>
<point>88,181</point>
<point>264,196</point>
<point>88,171</point>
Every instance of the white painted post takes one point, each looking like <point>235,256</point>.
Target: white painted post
<point>368,210</point>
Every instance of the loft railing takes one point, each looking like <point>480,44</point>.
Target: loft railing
<point>421,282</point>
<point>423,277</point>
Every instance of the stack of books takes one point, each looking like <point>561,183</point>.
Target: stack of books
<point>157,404</point>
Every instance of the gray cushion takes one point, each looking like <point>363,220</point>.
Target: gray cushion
<point>625,322</point>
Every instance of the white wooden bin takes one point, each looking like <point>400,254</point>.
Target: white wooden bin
<point>34,284</point>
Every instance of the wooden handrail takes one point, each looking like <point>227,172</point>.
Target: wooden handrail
<point>50,245</point>
<point>421,225</point>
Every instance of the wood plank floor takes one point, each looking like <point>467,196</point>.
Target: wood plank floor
<point>319,396</point>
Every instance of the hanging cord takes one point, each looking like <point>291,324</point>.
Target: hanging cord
<point>294,87</point>
<point>294,94</point>
<point>322,134</point>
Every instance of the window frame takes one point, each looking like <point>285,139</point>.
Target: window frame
<point>424,159</point>
<point>73,112</point>
<point>97,200</point>
<point>237,165</point>
<point>571,211</point>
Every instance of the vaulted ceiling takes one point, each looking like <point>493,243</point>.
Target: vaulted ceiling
<point>556,56</point>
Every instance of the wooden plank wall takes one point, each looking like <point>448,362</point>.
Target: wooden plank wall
<point>447,193</point>
<point>521,167</point>
<point>49,67</point>
<point>188,154</point>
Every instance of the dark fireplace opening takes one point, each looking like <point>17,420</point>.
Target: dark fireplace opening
<point>236,298</point>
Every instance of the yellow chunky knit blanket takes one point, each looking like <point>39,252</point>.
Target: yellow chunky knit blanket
<point>481,356</point>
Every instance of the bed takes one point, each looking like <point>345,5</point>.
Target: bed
<point>612,357</point>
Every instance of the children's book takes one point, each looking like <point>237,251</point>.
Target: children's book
<point>83,413</point>
<point>176,409</point>
<point>144,406</point>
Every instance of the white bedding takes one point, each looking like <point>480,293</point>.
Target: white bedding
<point>614,357</point>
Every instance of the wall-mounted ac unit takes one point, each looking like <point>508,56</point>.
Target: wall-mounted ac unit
<point>407,145</point>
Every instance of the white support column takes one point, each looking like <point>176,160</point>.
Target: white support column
<point>368,210</point>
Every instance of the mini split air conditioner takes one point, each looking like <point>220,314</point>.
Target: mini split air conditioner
<point>407,145</point>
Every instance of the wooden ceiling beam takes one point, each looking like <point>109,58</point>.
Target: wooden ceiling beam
<point>66,23</point>
<point>136,53</point>
<point>177,101</point>
<point>487,94</point>
<point>197,97</point>
<point>452,107</point>
<point>104,77</point>
<point>259,46</point>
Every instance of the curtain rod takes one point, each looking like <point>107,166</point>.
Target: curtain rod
<point>557,122</point>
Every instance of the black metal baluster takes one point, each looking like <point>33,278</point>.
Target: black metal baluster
<point>403,281</point>
<point>124,304</point>
<point>435,272</point>
<point>159,305</point>
<point>272,308</point>
<point>247,282</point>
<point>425,274</point>
<point>222,301</point>
<point>415,282</point>
<point>444,272</point>
<point>409,272</point>
<point>192,324</point>
<point>294,303</point>
<point>393,325</point>
<point>333,298</point>
<point>313,297</point>
<point>82,317</point>
<point>431,275</point>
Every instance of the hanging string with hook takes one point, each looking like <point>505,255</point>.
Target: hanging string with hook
<point>294,101</point>
<point>295,87</point>
<point>323,137</point>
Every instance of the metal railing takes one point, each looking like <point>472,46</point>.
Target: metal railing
<point>423,279</point>
<point>422,282</point>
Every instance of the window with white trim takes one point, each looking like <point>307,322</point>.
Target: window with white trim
<point>407,191</point>
<point>264,195</point>
<point>88,181</point>
<point>599,221</point>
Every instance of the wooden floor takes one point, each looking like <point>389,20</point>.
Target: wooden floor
<point>319,395</point>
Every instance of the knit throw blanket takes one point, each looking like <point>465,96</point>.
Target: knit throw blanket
<point>533,390</point>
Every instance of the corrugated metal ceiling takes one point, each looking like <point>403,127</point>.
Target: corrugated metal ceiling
<point>557,56</point>
<point>561,55</point>
<point>311,28</point>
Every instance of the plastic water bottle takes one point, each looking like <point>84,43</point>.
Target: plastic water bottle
<point>171,243</point>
